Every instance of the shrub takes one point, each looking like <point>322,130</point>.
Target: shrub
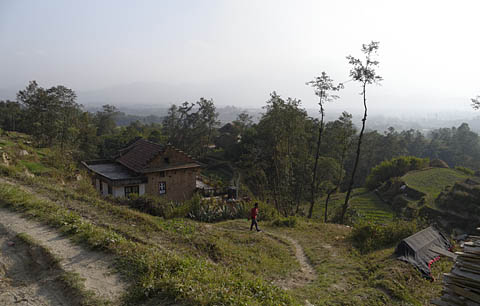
<point>394,168</point>
<point>367,236</point>
<point>214,211</point>
<point>145,203</point>
<point>7,170</point>
<point>285,222</point>
<point>85,187</point>
<point>465,170</point>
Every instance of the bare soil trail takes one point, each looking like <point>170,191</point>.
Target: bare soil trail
<point>300,278</point>
<point>305,275</point>
<point>26,277</point>
<point>94,267</point>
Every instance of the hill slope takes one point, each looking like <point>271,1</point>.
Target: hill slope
<point>179,260</point>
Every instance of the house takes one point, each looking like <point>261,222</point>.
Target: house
<point>144,167</point>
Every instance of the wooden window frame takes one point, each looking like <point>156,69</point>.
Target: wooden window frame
<point>131,190</point>
<point>162,191</point>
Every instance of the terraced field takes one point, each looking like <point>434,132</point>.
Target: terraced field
<point>433,181</point>
<point>370,207</point>
<point>366,203</point>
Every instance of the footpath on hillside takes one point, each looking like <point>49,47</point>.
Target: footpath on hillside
<point>95,268</point>
<point>299,278</point>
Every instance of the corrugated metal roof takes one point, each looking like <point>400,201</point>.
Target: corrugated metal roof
<point>112,171</point>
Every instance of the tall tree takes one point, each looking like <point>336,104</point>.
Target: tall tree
<point>476,102</point>
<point>274,153</point>
<point>341,132</point>
<point>51,113</point>
<point>106,120</point>
<point>10,115</point>
<point>365,73</point>
<point>191,126</point>
<point>323,86</point>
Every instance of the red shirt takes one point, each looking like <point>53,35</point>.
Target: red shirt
<point>254,213</point>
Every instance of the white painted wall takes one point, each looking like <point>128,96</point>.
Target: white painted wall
<point>118,191</point>
<point>105,189</point>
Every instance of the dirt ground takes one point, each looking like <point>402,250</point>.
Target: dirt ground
<point>24,278</point>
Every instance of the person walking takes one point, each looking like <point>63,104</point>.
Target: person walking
<point>253,215</point>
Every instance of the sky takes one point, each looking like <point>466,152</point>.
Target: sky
<point>237,52</point>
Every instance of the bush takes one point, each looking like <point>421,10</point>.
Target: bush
<point>465,170</point>
<point>285,222</point>
<point>148,204</point>
<point>367,236</point>
<point>394,168</point>
<point>214,211</point>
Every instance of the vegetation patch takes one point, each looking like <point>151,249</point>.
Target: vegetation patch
<point>368,236</point>
<point>433,181</point>
<point>154,272</point>
<point>285,222</point>
<point>395,167</point>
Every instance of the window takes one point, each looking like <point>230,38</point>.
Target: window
<point>167,160</point>
<point>110,189</point>
<point>101,187</point>
<point>162,173</point>
<point>162,187</point>
<point>131,189</point>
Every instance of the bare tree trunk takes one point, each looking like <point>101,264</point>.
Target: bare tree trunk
<point>326,203</point>
<point>313,191</point>
<point>357,157</point>
<point>340,177</point>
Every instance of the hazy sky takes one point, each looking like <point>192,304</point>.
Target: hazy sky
<point>236,52</point>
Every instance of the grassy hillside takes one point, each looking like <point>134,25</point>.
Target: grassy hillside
<point>367,205</point>
<point>187,262</point>
<point>433,181</point>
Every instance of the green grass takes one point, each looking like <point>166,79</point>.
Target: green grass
<point>188,262</point>
<point>367,204</point>
<point>371,208</point>
<point>346,277</point>
<point>194,277</point>
<point>433,181</point>
<point>34,167</point>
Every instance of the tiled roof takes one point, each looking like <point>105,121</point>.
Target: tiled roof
<point>139,154</point>
<point>177,166</point>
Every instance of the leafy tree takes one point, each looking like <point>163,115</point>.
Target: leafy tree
<point>339,136</point>
<point>363,72</point>
<point>274,154</point>
<point>51,113</point>
<point>322,86</point>
<point>105,120</point>
<point>10,115</point>
<point>476,102</point>
<point>191,126</point>
<point>87,139</point>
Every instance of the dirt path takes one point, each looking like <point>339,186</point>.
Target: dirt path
<point>94,267</point>
<point>26,275</point>
<point>300,278</point>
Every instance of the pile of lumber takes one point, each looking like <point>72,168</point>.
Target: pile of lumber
<point>462,284</point>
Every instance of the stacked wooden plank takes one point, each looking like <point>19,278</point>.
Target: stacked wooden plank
<point>462,284</point>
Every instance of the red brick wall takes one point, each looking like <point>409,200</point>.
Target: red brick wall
<point>181,184</point>
<point>174,157</point>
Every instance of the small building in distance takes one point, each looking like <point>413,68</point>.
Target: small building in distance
<point>144,167</point>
